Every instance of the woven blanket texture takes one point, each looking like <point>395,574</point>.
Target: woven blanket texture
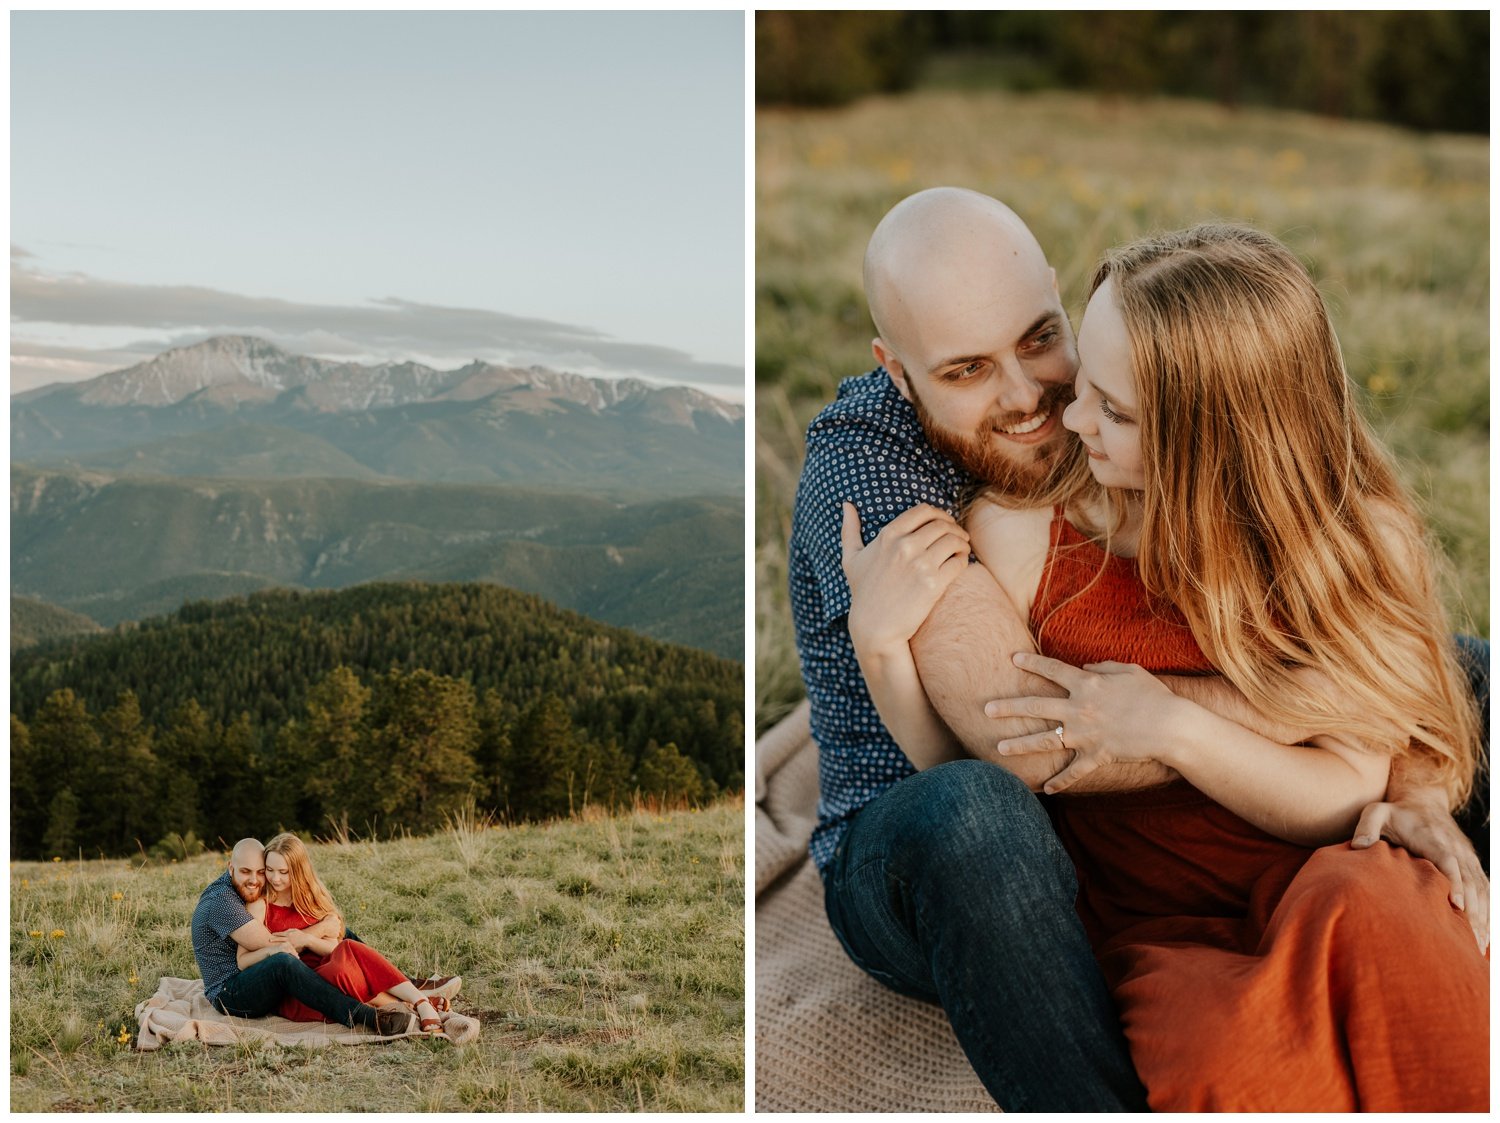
<point>827,1036</point>
<point>179,1012</point>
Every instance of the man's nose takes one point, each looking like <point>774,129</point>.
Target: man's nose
<point>1018,391</point>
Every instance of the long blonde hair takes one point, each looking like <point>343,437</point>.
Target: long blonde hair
<point>309,895</point>
<point>1271,516</point>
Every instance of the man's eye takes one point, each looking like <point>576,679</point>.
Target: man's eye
<point>1045,339</point>
<point>968,370</point>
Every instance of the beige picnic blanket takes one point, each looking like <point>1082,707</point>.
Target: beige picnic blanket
<point>179,1012</point>
<point>827,1036</point>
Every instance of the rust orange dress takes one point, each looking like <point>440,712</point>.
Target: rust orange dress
<point>1253,974</point>
<point>355,968</point>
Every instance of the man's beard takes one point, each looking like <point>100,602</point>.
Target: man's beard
<point>1028,470</point>
<point>248,895</point>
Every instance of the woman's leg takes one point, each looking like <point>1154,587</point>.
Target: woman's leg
<point>360,970</point>
<point>1356,988</point>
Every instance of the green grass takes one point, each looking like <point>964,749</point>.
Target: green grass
<point>604,959</point>
<point>1394,225</point>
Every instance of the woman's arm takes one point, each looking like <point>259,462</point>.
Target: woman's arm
<point>321,937</point>
<point>893,584</point>
<point>1115,712</point>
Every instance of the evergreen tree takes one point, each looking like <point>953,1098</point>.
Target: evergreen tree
<point>60,840</point>
<point>329,748</point>
<point>543,767</point>
<point>496,717</point>
<point>184,753</point>
<point>132,817</point>
<point>28,816</point>
<point>234,802</point>
<point>69,754</point>
<point>665,774</point>
<point>422,739</point>
<point>606,774</point>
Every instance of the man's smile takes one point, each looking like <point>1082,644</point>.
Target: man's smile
<point>1032,428</point>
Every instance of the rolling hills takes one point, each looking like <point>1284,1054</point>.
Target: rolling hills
<point>120,548</point>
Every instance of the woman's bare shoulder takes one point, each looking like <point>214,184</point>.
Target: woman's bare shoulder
<point>1012,544</point>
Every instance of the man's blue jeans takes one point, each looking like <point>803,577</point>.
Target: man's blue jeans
<point>258,990</point>
<point>1474,817</point>
<point>952,887</point>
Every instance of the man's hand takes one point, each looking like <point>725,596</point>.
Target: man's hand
<point>1421,824</point>
<point>895,580</point>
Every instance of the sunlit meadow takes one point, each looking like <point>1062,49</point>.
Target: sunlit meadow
<point>604,959</point>
<point>1394,225</point>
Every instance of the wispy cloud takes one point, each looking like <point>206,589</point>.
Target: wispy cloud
<point>389,328</point>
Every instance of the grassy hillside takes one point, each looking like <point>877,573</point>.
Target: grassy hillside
<point>122,548</point>
<point>1394,225</point>
<point>604,959</point>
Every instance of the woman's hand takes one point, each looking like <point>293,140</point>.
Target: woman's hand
<point>1422,824</point>
<point>895,580</point>
<point>1114,713</point>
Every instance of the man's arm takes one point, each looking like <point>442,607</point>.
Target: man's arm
<point>245,958</point>
<point>963,654</point>
<point>893,584</point>
<point>254,935</point>
<point>255,942</point>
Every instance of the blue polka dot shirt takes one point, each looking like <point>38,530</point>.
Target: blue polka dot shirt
<point>866,448</point>
<point>218,913</point>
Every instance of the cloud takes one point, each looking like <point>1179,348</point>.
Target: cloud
<point>389,327</point>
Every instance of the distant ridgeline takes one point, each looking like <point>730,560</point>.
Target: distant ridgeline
<point>383,707</point>
<point>231,465</point>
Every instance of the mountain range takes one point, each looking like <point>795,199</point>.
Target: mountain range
<point>232,465</point>
<point>238,406</point>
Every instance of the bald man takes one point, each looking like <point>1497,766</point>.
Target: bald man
<point>256,986</point>
<point>948,883</point>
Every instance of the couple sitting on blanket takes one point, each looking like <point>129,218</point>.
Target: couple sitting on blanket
<point>269,940</point>
<point>1204,624</point>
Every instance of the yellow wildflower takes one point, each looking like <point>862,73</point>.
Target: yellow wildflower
<point>124,1038</point>
<point>117,896</point>
<point>134,978</point>
<point>58,933</point>
<point>56,859</point>
<point>35,934</point>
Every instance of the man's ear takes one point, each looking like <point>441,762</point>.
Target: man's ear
<point>887,358</point>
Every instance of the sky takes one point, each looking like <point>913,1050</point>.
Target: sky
<point>561,189</point>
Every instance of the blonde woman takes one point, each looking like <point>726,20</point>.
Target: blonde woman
<point>298,903</point>
<point>1240,520</point>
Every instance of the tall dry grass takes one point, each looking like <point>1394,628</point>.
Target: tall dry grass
<point>1394,225</point>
